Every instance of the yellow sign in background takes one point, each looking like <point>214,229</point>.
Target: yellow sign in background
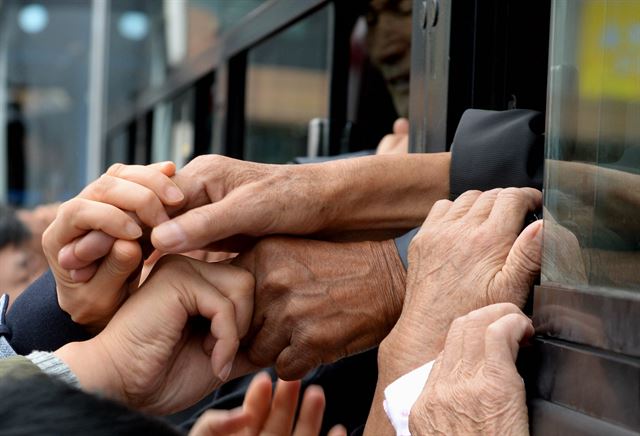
<point>609,50</point>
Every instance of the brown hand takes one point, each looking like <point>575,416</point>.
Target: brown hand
<point>317,301</point>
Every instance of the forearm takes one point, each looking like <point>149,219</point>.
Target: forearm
<point>385,192</point>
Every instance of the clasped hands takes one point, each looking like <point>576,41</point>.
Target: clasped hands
<point>228,204</point>
<point>94,250</point>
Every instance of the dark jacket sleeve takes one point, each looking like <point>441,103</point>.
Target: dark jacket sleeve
<point>36,321</point>
<point>493,149</point>
<point>497,149</point>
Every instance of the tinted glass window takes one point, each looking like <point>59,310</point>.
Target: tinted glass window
<point>592,198</point>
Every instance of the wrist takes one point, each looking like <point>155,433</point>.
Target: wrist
<point>93,367</point>
<point>385,258</point>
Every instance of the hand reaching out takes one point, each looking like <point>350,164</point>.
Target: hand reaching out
<point>262,416</point>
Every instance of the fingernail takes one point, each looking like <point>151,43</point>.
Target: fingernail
<point>225,372</point>
<point>133,230</point>
<point>169,236</point>
<point>173,194</point>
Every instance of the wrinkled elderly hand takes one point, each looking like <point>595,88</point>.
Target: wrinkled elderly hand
<point>471,253</point>
<point>152,355</point>
<point>474,386</point>
<point>468,254</point>
<point>317,301</point>
<point>228,201</point>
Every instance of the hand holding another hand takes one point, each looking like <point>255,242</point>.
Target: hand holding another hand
<point>92,246</point>
<point>153,355</point>
<point>317,301</point>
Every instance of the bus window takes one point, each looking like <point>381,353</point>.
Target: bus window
<point>593,170</point>
<point>287,87</point>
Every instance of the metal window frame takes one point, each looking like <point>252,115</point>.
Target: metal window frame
<point>227,59</point>
<point>461,58</point>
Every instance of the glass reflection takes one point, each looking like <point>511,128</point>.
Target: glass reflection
<point>287,87</point>
<point>592,197</point>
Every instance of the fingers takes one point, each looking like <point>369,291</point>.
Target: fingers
<point>464,340</point>
<point>229,309</point>
<point>512,205</point>
<point>475,326</point>
<point>268,344</point>
<point>504,336</point>
<point>147,203</point>
<point>85,250</point>
<point>78,216</point>
<point>235,284</point>
<point>220,423</point>
<point>283,408</point>
<point>294,363</point>
<point>311,412</point>
<point>156,177</point>
<point>483,205</point>
<point>257,401</point>
<point>438,210</point>
<point>84,274</point>
<point>116,268</point>
<point>463,203</point>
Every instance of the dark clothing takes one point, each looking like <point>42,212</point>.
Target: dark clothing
<point>491,149</point>
<point>37,322</point>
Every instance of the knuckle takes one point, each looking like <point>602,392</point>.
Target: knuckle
<point>66,209</point>
<point>511,194</point>
<point>467,194</point>
<point>258,358</point>
<point>202,217</point>
<point>115,169</point>
<point>148,198</point>
<point>442,203</point>
<point>278,280</point>
<point>245,280</point>
<point>459,324</point>
<point>101,187</point>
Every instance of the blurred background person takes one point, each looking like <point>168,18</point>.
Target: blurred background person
<point>21,256</point>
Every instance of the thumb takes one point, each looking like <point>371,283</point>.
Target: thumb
<point>199,227</point>
<point>401,126</point>
<point>522,266</point>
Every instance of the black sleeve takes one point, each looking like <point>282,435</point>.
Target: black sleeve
<point>497,149</point>
<point>36,321</point>
<point>492,149</point>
